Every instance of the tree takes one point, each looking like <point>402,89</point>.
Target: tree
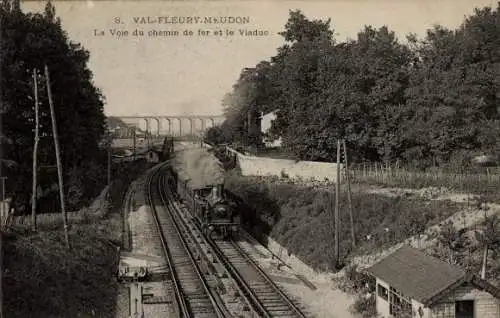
<point>452,98</point>
<point>488,238</point>
<point>267,86</point>
<point>454,240</point>
<point>347,90</point>
<point>215,136</point>
<point>433,101</point>
<point>298,28</point>
<point>31,41</point>
<point>295,71</point>
<point>242,107</point>
<point>381,77</point>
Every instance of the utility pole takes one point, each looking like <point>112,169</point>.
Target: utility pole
<point>249,125</point>
<point>58,159</point>
<point>349,199</point>
<point>109,142</point>
<point>4,207</point>
<point>35,152</point>
<point>337,208</point>
<point>3,187</point>
<point>133,136</point>
<point>332,219</point>
<point>1,273</point>
<point>109,162</point>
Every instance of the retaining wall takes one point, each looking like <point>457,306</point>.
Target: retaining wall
<point>306,170</point>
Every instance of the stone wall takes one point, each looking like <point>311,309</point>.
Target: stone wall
<point>306,170</point>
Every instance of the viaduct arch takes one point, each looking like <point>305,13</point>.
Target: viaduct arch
<point>171,125</point>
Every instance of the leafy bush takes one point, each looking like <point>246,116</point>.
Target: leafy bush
<point>228,161</point>
<point>358,281</point>
<point>215,136</point>
<point>365,306</point>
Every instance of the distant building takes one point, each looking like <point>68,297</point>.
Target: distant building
<point>153,155</point>
<point>266,121</point>
<point>414,284</point>
<point>265,125</point>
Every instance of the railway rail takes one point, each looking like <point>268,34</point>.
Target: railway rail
<point>192,293</point>
<point>266,298</point>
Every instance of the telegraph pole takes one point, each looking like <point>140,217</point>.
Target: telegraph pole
<point>133,136</point>
<point>349,199</point>
<point>1,273</point>
<point>3,187</point>
<point>4,208</point>
<point>35,152</point>
<point>337,208</point>
<point>58,158</point>
<point>109,160</point>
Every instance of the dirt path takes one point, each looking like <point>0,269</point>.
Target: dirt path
<point>324,300</point>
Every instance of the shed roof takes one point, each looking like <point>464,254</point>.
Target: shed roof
<point>416,274</point>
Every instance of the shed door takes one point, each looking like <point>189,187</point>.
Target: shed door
<point>464,309</point>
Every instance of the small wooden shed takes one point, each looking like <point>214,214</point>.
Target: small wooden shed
<point>410,283</point>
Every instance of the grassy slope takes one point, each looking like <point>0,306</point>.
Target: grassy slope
<point>37,284</point>
<point>298,217</point>
<point>37,280</point>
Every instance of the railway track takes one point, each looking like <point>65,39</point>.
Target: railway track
<point>265,297</point>
<point>262,294</point>
<point>192,293</point>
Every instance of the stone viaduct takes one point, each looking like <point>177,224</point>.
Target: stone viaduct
<point>171,125</point>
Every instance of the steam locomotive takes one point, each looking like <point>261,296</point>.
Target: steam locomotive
<point>208,205</point>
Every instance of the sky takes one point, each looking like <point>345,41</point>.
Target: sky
<point>189,74</point>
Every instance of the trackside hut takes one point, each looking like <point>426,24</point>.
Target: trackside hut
<point>410,283</point>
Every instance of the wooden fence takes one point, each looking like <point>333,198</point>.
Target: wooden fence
<point>467,179</point>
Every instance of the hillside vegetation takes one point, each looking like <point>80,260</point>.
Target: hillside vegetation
<point>31,42</point>
<point>421,112</point>
<point>300,219</point>
<point>426,102</point>
<point>44,277</point>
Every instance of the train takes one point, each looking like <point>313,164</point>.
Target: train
<point>208,204</point>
